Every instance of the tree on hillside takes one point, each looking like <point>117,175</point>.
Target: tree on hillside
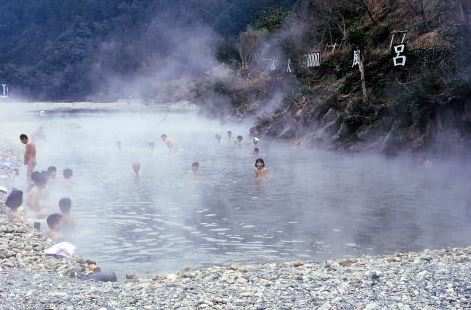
<point>418,8</point>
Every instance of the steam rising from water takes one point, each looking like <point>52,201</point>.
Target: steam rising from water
<point>314,205</point>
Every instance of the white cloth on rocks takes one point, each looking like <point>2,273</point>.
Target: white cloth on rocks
<point>65,249</point>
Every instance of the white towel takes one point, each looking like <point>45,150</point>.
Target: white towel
<point>65,249</point>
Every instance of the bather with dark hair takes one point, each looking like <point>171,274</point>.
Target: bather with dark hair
<point>260,168</point>
<point>54,223</point>
<point>65,206</point>
<point>68,173</point>
<point>14,201</point>
<point>195,167</point>
<point>30,154</point>
<point>52,172</point>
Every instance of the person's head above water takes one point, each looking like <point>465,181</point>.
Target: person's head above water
<point>240,138</point>
<point>52,172</point>
<point>14,200</point>
<point>259,163</point>
<point>67,173</point>
<point>39,178</point>
<point>195,166</point>
<point>54,221</point>
<point>24,138</point>
<point>163,137</point>
<point>65,204</point>
<point>229,133</point>
<point>256,151</point>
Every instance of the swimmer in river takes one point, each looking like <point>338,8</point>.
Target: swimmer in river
<point>68,174</point>
<point>52,172</point>
<point>239,140</point>
<point>218,138</point>
<point>54,223</point>
<point>136,167</point>
<point>65,204</point>
<point>229,135</point>
<point>30,155</point>
<point>168,142</point>
<point>195,167</point>
<point>36,194</point>
<point>260,168</point>
<point>256,151</point>
<point>15,212</point>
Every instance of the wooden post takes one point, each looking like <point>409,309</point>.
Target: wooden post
<point>363,81</point>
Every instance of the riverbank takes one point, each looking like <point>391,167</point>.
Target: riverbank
<point>437,279</point>
<point>427,280</point>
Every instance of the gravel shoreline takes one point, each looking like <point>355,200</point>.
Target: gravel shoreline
<point>438,279</point>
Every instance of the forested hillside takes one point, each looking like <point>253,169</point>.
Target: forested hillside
<point>234,57</point>
<point>329,96</point>
<point>60,49</point>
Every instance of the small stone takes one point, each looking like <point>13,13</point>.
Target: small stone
<point>347,262</point>
<point>372,306</point>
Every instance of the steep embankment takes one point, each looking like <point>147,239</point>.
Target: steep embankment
<point>404,108</point>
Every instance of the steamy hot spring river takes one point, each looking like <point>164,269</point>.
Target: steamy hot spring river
<point>314,205</point>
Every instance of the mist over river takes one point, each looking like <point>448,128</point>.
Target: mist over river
<point>314,205</point>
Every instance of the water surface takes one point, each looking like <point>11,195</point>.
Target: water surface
<point>315,205</point>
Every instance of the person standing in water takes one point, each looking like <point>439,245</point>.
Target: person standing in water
<point>229,135</point>
<point>168,142</point>
<point>30,155</point>
<point>36,195</point>
<point>260,168</point>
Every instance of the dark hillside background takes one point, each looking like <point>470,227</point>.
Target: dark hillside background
<point>49,48</point>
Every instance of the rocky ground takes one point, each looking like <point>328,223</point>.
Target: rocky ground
<point>427,280</point>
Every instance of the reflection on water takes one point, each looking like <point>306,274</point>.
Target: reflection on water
<point>315,204</point>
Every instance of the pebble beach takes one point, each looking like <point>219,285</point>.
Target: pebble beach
<point>439,279</point>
